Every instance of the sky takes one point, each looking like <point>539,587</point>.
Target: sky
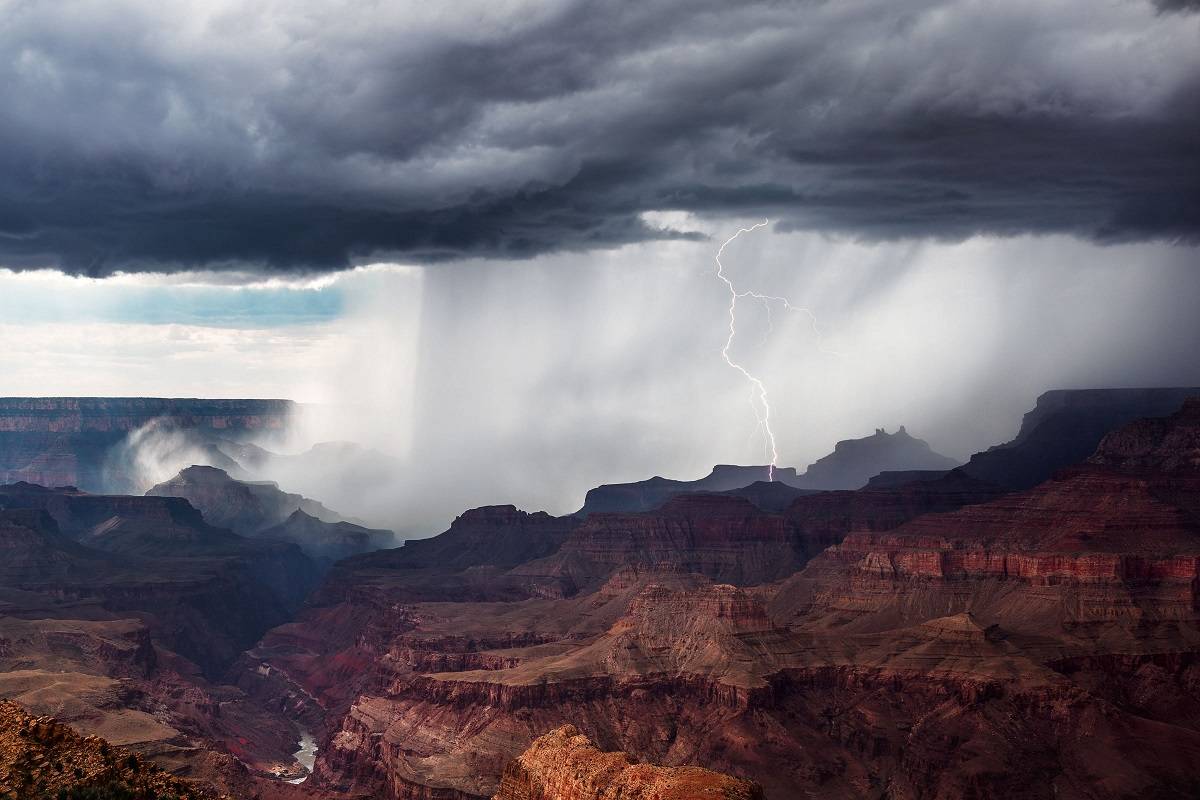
<point>490,227</point>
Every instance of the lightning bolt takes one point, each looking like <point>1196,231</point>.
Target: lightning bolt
<point>761,407</point>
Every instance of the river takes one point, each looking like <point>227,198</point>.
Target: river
<point>306,755</point>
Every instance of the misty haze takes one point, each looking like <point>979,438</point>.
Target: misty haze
<point>572,401</point>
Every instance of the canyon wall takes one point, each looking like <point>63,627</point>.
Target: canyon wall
<point>75,441</point>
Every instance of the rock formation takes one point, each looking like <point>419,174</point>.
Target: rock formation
<point>327,542</point>
<point>853,462</point>
<point>565,765</point>
<point>430,679</point>
<point>42,758</point>
<point>650,494</point>
<point>1065,427</point>
<point>262,510</point>
<point>245,507</point>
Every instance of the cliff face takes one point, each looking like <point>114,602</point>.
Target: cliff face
<point>75,441</point>
<point>1115,539</point>
<point>1065,428</point>
<point>726,538</point>
<point>565,765</point>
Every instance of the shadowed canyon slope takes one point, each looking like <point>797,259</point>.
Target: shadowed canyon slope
<point>1064,428</point>
<point>262,510</point>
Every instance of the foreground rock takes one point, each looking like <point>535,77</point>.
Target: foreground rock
<point>41,758</point>
<point>565,765</point>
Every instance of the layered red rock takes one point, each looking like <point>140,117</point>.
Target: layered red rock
<point>429,679</point>
<point>1115,540</point>
<point>726,538</point>
<point>565,765</point>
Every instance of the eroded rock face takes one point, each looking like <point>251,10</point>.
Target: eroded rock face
<point>726,538</point>
<point>1113,540</point>
<point>565,765</point>
<point>1065,428</point>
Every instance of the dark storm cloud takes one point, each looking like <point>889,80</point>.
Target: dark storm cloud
<point>1178,5</point>
<point>136,135</point>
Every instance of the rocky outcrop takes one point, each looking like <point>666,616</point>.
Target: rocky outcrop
<point>565,765</point>
<point>244,507</point>
<point>1169,444</point>
<point>853,462</point>
<point>1065,428</point>
<point>40,757</point>
<point>76,441</point>
<point>327,541</point>
<point>261,510</point>
<point>497,536</point>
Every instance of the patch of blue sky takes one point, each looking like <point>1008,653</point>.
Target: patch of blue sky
<point>63,300</point>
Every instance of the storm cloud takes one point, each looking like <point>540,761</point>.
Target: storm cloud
<point>304,136</point>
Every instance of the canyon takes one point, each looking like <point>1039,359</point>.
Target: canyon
<point>933,634</point>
